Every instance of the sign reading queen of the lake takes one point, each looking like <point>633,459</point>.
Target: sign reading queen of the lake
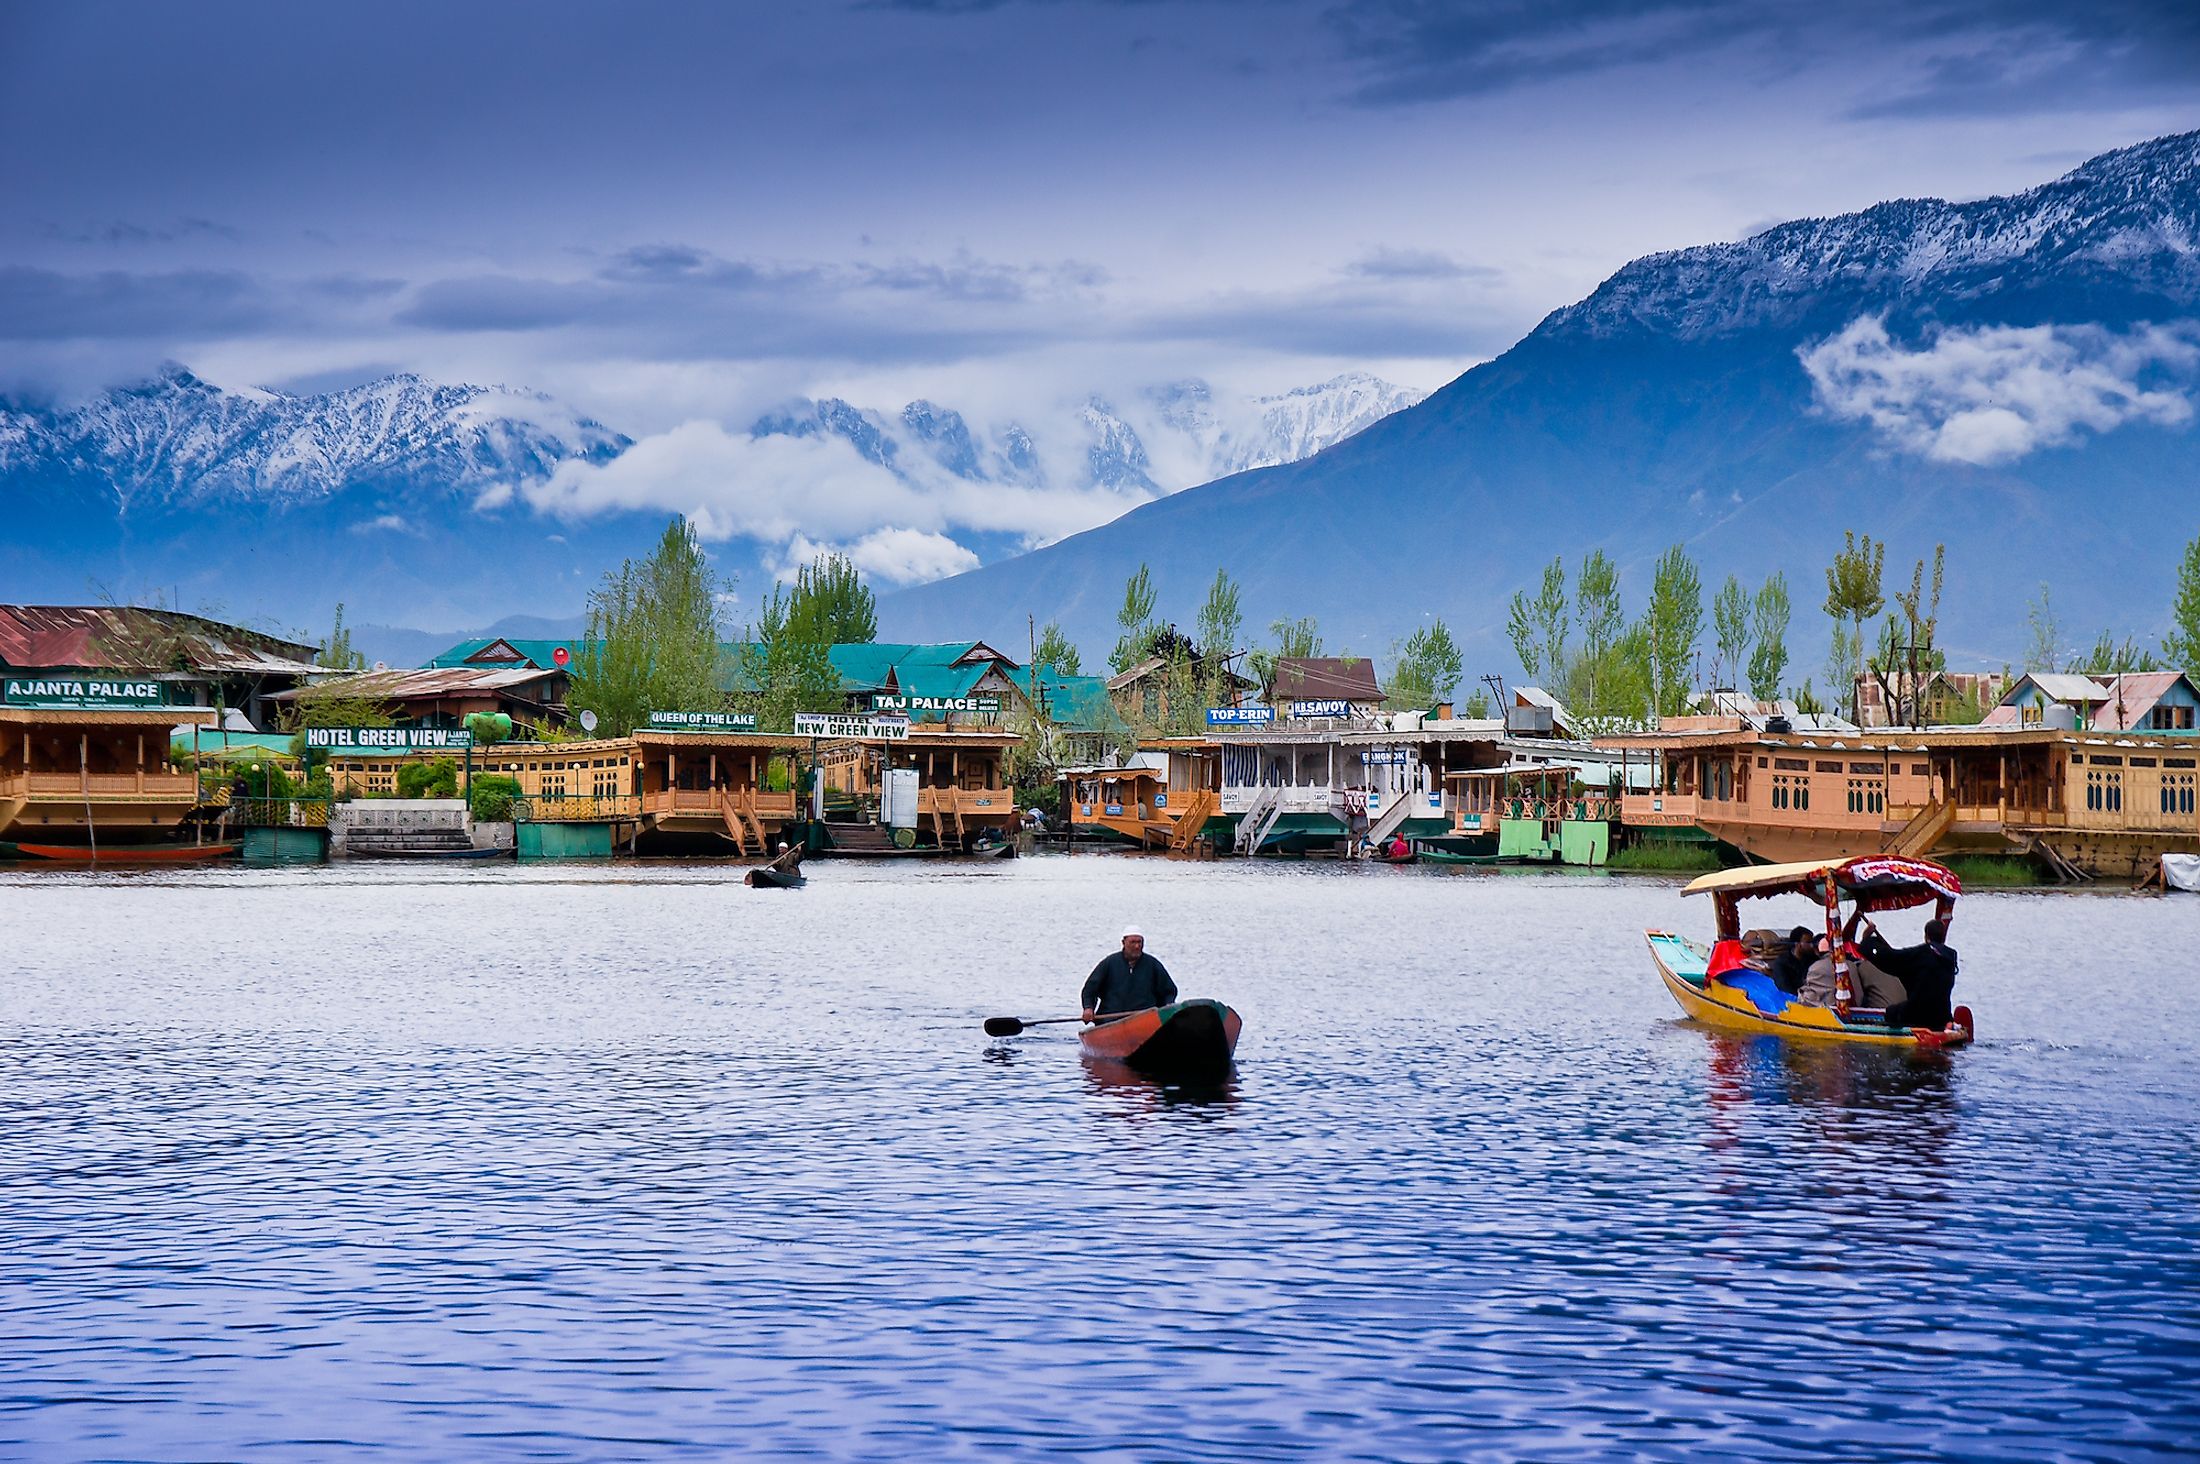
<point>865,729</point>
<point>24,691</point>
<point>702,721</point>
<point>389,739</point>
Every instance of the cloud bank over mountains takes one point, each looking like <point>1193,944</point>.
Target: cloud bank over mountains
<point>1991,395</point>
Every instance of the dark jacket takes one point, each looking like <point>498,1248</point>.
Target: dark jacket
<point>1789,970</point>
<point>1116,985</point>
<point>1927,972</point>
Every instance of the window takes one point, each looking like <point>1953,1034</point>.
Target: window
<point>2170,719</point>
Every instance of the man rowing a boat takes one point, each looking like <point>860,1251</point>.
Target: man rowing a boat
<point>1129,980</point>
<point>789,860</point>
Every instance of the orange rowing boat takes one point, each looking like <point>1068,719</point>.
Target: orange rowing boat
<point>1184,1037</point>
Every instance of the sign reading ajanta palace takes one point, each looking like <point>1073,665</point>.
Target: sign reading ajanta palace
<point>24,691</point>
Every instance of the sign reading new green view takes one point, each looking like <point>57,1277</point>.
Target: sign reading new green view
<point>74,692</point>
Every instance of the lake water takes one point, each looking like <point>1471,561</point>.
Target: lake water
<point>631,1162</point>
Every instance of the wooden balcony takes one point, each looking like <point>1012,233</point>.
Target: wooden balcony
<point>1659,810</point>
<point>166,787</point>
<point>967,802</point>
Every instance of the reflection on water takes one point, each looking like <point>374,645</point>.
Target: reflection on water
<point>630,1162</point>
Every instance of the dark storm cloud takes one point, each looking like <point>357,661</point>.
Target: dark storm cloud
<point>1964,55</point>
<point>47,305</point>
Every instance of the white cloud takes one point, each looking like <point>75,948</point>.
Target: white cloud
<point>730,484</point>
<point>1991,395</point>
<point>388,523</point>
<point>894,556</point>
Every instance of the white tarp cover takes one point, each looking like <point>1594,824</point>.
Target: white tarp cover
<point>2181,871</point>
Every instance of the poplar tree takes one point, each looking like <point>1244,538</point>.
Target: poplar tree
<point>1427,670</point>
<point>1054,651</point>
<point>2181,647</point>
<point>1671,624</point>
<point>338,654</point>
<point>1221,627</point>
<point>1768,628</point>
<point>1730,628</point>
<point>1135,621</point>
<point>1538,627</point>
<point>1853,595</point>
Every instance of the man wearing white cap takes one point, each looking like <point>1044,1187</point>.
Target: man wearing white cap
<point>1129,980</point>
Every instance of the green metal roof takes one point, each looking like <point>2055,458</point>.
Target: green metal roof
<point>1081,703</point>
<point>541,654</point>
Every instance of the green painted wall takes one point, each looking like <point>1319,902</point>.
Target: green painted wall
<point>1522,838</point>
<point>285,846</point>
<point>564,841</point>
<point>1584,841</point>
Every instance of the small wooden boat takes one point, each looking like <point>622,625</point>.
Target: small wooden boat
<point>1004,850</point>
<point>1447,856</point>
<point>1741,999</point>
<point>1412,857</point>
<point>121,853</point>
<point>766,878</point>
<point>1188,1037</point>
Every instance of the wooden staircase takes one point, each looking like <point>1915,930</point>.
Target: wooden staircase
<point>1204,805</point>
<point>1918,837</point>
<point>1254,827</point>
<point>742,824</point>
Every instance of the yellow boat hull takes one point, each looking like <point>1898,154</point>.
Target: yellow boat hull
<point>1730,1009</point>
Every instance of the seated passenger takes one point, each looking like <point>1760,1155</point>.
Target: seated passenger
<point>1927,972</point>
<point>1792,964</point>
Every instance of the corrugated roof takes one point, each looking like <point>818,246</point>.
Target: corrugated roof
<point>1080,703</point>
<point>133,638</point>
<point>428,681</point>
<point>1326,678</point>
<point>2131,697</point>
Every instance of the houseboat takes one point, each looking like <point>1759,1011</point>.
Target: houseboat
<point>1163,799</point>
<point>2087,804</point>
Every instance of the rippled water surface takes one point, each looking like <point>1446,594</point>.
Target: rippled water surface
<point>633,1162</point>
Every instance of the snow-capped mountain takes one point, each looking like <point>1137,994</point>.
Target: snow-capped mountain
<point>2016,377</point>
<point>177,439</point>
<point>2130,218</point>
<point>1166,437</point>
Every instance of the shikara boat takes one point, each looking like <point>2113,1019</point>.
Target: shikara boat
<point>120,853</point>
<point>1447,856</point>
<point>767,878</point>
<point>1715,987</point>
<point>1185,1038</point>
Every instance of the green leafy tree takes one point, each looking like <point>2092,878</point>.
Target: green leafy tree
<point>2043,646</point>
<point>435,778</point>
<point>1538,627</point>
<point>1730,626</point>
<point>1908,655</point>
<point>2181,647</point>
<point>1768,657</point>
<point>830,592</point>
<point>787,661</point>
<point>1295,640</point>
<point>1135,622</point>
<point>1589,682</point>
<point>1055,652</point>
<point>338,653</point>
<point>1808,702</point>
<point>1427,669</point>
<point>2109,657</point>
<point>1477,708</point>
<point>653,639</point>
<point>1853,596</point>
<point>1221,628</point>
<point>1671,624</point>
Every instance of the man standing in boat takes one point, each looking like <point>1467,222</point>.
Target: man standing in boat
<point>1129,980</point>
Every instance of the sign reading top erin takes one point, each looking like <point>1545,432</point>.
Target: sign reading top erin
<point>702,721</point>
<point>946,705</point>
<point>388,739</point>
<point>1239,716</point>
<point>1332,707</point>
<point>866,729</point>
<point>27,691</point>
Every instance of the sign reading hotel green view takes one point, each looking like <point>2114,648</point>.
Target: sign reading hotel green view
<point>866,729</point>
<point>396,741</point>
<point>943,705</point>
<point>26,691</point>
<point>702,721</point>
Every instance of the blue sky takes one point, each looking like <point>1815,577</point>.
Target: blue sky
<point>681,213</point>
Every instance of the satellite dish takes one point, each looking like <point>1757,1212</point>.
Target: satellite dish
<point>381,665</point>
<point>588,721</point>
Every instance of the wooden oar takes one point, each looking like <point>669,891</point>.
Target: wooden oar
<point>1010,1026</point>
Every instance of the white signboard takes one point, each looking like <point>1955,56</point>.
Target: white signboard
<point>860,729</point>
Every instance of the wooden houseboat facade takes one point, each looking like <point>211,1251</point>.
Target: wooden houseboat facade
<point>2096,804</point>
